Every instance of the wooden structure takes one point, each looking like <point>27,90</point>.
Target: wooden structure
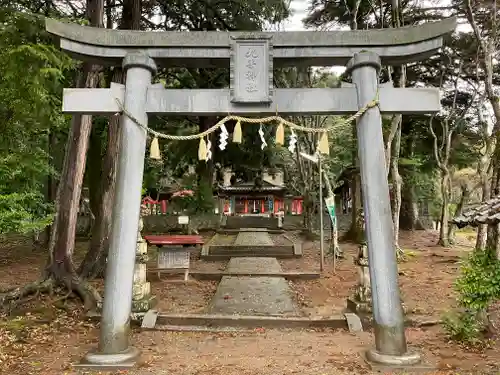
<point>245,198</point>
<point>174,252</point>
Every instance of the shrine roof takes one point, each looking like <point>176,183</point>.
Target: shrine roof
<point>250,186</point>
<point>483,213</point>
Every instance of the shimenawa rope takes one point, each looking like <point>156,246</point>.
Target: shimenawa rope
<point>280,121</point>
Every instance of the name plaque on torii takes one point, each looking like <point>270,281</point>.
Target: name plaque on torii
<point>251,70</point>
<point>251,58</point>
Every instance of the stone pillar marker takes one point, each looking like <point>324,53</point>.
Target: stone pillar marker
<point>390,341</point>
<point>142,300</point>
<point>114,349</point>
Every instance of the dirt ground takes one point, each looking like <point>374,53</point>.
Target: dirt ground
<point>47,336</point>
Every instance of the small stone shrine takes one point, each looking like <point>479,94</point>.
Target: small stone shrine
<point>361,302</point>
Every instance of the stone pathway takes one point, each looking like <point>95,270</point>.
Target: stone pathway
<point>269,296</point>
<point>257,238</point>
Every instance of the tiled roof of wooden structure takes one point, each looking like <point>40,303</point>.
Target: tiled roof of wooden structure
<point>484,213</point>
<point>250,186</point>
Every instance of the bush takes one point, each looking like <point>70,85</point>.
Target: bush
<point>477,287</point>
<point>479,283</point>
<point>464,326</point>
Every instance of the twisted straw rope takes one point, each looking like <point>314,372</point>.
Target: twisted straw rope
<point>278,119</point>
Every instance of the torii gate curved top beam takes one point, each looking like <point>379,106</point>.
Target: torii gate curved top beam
<point>213,48</point>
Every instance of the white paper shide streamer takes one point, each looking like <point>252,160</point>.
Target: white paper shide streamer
<point>292,141</point>
<point>261,133</point>
<point>223,136</point>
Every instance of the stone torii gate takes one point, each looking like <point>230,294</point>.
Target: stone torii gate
<point>251,58</point>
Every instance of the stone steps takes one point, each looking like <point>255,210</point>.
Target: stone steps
<point>251,322</point>
<point>199,328</point>
<point>222,257</point>
<point>251,242</point>
<point>251,251</point>
<point>218,275</point>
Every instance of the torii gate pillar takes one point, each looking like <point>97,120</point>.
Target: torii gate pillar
<point>114,346</point>
<point>390,341</point>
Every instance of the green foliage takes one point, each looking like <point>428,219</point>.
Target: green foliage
<point>479,282</point>
<point>464,327</point>
<point>342,148</point>
<point>23,212</point>
<point>478,286</point>
<point>32,75</point>
<point>204,197</point>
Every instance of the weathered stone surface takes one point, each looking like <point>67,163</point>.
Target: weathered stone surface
<point>288,101</point>
<point>237,222</point>
<point>296,39</point>
<point>142,248</point>
<point>249,265</point>
<point>353,322</point>
<point>166,223</point>
<point>253,239</point>
<point>253,296</point>
<point>140,291</point>
<point>251,71</point>
<point>207,49</point>
<point>140,273</point>
<point>143,305</point>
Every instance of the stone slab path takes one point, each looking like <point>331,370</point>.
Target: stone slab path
<point>249,265</point>
<point>257,238</point>
<point>265,296</point>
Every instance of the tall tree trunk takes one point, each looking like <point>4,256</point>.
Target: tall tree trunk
<point>464,198</point>
<point>308,213</point>
<point>482,230</point>
<point>94,160</point>
<point>410,215</point>
<point>493,235</point>
<point>93,265</point>
<point>396,185</point>
<point>487,43</point>
<point>395,148</point>
<point>356,231</point>
<point>443,230</point>
<point>60,266</point>
<point>51,181</point>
